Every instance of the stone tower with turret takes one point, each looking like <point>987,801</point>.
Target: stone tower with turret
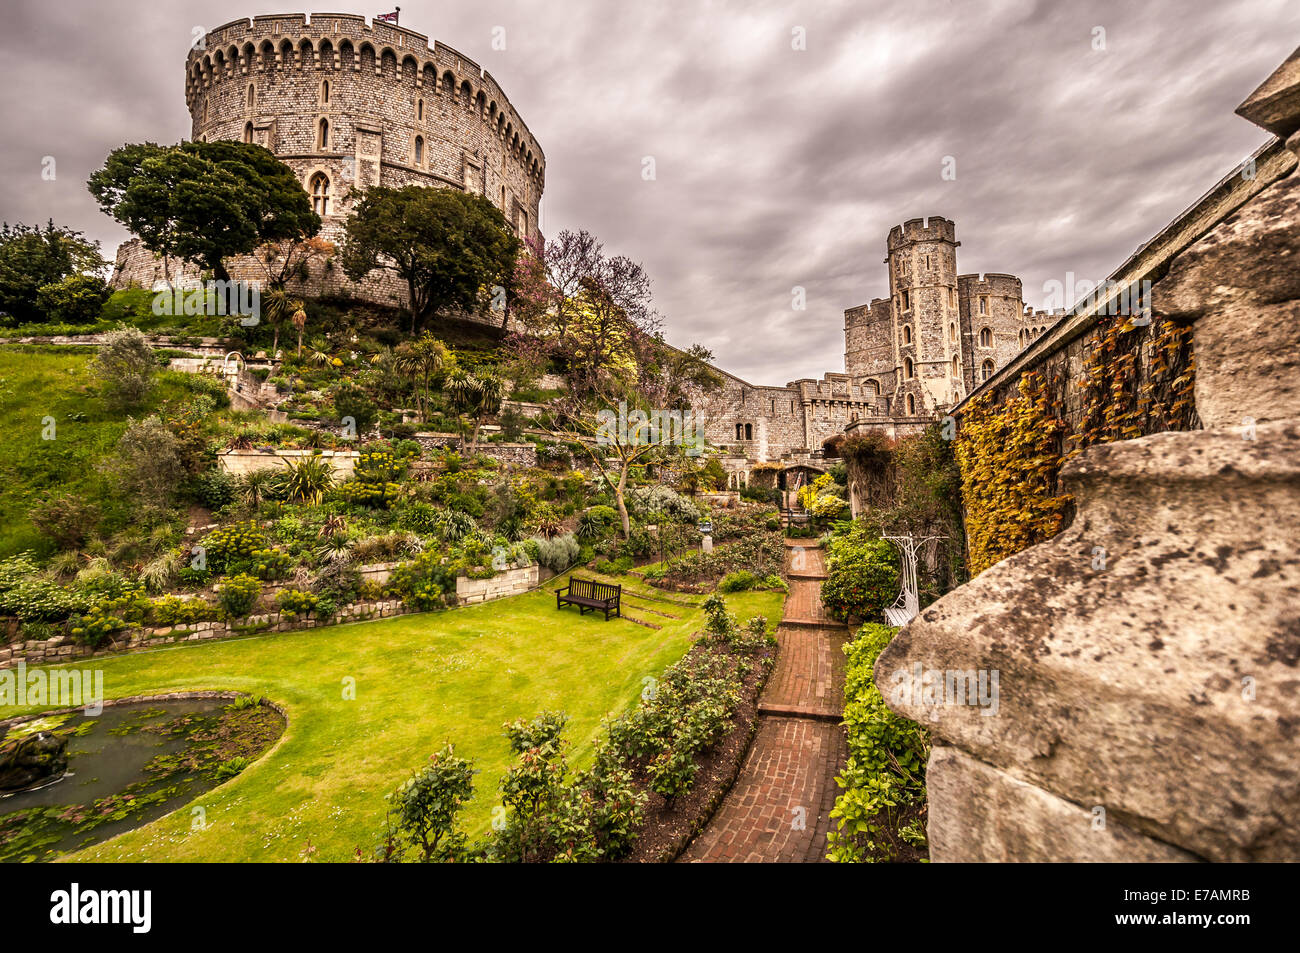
<point>939,334</point>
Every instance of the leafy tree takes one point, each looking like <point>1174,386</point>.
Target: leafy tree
<point>449,247</point>
<point>204,201</point>
<point>280,306</point>
<point>424,359</point>
<point>32,258</point>
<point>76,299</point>
<point>548,280</point>
<point>474,397</point>
<point>590,306</point>
<point>125,367</point>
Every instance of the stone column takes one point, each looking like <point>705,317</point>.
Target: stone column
<point>1147,659</point>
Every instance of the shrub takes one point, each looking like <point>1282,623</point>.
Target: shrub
<point>76,299</point>
<point>66,519</point>
<point>884,778</point>
<point>351,401</point>
<point>862,575</point>
<point>238,595</point>
<point>662,502</point>
<point>422,812</point>
<point>125,367</point>
<point>128,306</point>
<point>596,522</point>
<point>227,545</point>
<point>270,563</point>
<point>296,601</point>
<point>558,553</point>
<point>215,489</point>
<point>180,610</point>
<point>742,580</point>
<point>148,461</point>
<point>423,582</point>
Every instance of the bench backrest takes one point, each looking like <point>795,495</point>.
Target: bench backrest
<point>591,589</point>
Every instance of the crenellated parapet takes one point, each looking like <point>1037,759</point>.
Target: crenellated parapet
<point>936,228</point>
<point>370,102</point>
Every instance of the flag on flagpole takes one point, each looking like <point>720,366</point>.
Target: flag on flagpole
<point>388,17</point>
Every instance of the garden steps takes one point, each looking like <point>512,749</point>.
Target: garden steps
<point>802,711</point>
<point>640,608</point>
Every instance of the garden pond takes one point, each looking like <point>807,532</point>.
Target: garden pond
<point>128,766</point>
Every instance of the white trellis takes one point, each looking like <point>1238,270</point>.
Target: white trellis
<point>908,605</point>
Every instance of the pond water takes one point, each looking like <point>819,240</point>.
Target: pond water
<point>128,766</point>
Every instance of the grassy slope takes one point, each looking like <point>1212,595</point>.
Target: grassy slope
<point>420,681</point>
<point>40,383</point>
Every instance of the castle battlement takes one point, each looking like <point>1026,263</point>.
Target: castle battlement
<point>341,44</point>
<point>933,229</point>
<point>990,283</point>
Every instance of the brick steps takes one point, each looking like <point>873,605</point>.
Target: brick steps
<point>802,711</point>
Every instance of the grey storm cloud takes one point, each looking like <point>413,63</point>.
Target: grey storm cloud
<point>774,167</point>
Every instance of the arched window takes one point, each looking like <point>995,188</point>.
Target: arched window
<point>907,334</point>
<point>911,406</point>
<point>252,96</point>
<point>986,337</point>
<point>749,431</point>
<point>419,110</point>
<point>984,305</point>
<point>324,134</point>
<point>320,194</point>
<point>248,132</point>
<point>740,431</point>
<point>956,366</point>
<point>875,388</point>
<point>986,370</point>
<point>952,333</point>
<point>419,150</point>
<point>325,92</point>
<point>908,368</point>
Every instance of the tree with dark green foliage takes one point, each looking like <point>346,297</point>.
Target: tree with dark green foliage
<point>32,258</point>
<point>203,201</point>
<point>449,247</point>
<point>76,299</point>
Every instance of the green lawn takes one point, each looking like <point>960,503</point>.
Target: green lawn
<point>40,383</point>
<point>421,680</point>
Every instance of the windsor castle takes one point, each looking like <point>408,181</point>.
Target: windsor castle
<point>348,104</point>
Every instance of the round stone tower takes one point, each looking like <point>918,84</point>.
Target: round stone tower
<point>346,104</point>
<point>928,353</point>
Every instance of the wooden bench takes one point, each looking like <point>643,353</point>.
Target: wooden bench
<point>590,594</point>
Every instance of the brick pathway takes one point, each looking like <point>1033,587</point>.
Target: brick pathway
<point>779,808</point>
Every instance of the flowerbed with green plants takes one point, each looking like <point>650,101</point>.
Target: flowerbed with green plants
<point>655,778</point>
<point>881,814</point>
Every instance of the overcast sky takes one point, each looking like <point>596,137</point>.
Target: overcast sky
<point>774,167</point>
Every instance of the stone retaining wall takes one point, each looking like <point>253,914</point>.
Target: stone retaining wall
<point>244,462</point>
<point>63,649</point>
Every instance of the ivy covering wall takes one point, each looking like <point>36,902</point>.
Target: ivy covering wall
<point>1135,379</point>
